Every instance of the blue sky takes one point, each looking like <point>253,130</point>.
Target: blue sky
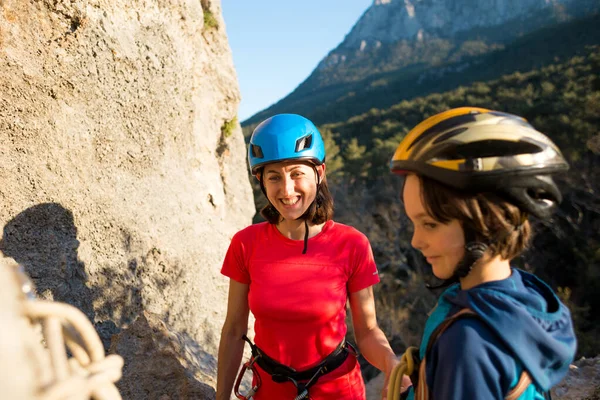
<point>276,44</point>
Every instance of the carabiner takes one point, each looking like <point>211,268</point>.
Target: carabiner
<point>248,365</point>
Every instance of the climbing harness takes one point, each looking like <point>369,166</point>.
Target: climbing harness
<point>411,366</point>
<point>281,373</point>
<point>88,374</point>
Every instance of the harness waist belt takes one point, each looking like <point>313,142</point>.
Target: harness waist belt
<point>281,373</point>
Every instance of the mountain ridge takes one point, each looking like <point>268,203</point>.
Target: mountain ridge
<point>333,80</point>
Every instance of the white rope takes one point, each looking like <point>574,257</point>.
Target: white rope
<point>88,374</point>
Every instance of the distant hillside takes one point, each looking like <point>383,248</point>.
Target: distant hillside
<point>562,100</point>
<point>406,69</point>
<point>377,43</point>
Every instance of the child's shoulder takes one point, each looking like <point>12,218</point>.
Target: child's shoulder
<point>470,338</point>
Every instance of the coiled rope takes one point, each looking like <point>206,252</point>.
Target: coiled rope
<point>88,374</point>
<point>405,367</point>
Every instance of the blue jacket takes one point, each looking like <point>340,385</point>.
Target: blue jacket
<point>522,324</point>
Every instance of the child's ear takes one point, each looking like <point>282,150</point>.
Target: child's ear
<point>257,176</point>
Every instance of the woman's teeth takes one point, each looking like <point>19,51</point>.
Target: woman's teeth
<point>290,202</point>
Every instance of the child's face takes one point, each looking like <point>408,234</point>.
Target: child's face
<point>442,244</point>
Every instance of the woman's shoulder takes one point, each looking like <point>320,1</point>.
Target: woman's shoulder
<point>342,229</point>
<point>252,231</point>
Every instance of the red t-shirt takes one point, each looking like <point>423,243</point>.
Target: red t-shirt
<point>299,300</point>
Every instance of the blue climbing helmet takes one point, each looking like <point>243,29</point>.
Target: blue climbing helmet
<point>285,137</point>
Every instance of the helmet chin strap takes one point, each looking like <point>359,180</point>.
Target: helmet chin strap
<point>305,219</point>
<point>474,250</point>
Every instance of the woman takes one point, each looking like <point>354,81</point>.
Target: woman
<point>296,273</point>
<point>472,178</point>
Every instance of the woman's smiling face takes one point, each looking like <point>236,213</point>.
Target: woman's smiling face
<point>443,244</point>
<point>291,187</point>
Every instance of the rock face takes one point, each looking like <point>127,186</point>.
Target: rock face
<point>388,21</point>
<point>122,165</point>
<point>582,381</point>
<point>157,355</point>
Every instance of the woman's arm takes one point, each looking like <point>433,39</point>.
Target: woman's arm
<point>370,339</point>
<point>231,346</point>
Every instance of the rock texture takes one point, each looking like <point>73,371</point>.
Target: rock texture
<point>388,21</point>
<point>122,165</point>
<point>166,358</point>
<point>582,382</point>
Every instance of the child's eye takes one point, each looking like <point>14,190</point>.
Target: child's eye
<point>272,178</point>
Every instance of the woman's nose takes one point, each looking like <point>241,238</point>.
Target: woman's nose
<point>289,186</point>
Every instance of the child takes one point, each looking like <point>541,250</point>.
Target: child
<point>472,178</point>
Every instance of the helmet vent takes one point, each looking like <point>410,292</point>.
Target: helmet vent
<point>509,119</point>
<point>450,134</point>
<point>256,151</point>
<point>443,126</point>
<point>488,148</point>
<point>539,194</point>
<point>303,143</point>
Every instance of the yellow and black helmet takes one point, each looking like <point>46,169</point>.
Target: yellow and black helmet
<point>479,150</point>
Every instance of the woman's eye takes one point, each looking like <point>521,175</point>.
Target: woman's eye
<point>272,178</point>
<point>430,225</point>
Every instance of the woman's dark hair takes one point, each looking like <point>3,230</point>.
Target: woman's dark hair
<point>320,210</point>
<point>496,222</point>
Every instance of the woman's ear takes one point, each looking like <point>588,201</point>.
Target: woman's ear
<point>321,172</point>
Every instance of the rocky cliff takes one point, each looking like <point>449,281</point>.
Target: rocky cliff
<point>390,21</point>
<point>395,40</point>
<point>123,173</point>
